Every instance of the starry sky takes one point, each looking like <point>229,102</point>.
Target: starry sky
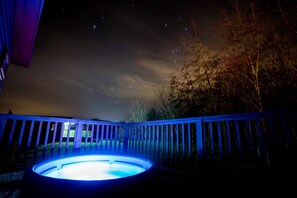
<point>92,58</point>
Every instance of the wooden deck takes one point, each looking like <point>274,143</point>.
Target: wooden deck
<point>206,154</point>
<point>264,181</point>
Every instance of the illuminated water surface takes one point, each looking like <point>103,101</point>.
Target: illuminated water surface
<point>92,167</point>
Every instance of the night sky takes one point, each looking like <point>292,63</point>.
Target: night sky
<point>92,58</point>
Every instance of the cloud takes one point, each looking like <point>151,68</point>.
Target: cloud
<point>157,70</point>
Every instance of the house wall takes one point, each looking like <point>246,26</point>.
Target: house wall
<point>19,21</point>
<point>27,17</point>
<point>6,32</point>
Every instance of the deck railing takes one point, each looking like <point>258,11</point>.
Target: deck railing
<point>25,140</point>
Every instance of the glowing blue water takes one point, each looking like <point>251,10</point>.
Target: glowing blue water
<point>92,167</point>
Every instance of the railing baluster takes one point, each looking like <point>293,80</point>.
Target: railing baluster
<point>86,134</point>
<point>260,138</point>
<point>167,139</point>
<point>204,133</point>
<point>153,139</point>
<point>38,134</point>
<point>171,140</point>
<point>54,135</point>
<point>97,135</point>
<point>285,131</point>
<point>30,133</point>
<point>21,133</point>
<point>177,139</point>
<point>220,139</point>
<point>111,137</point>
<point>102,136</point>
<point>162,139</point>
<point>189,140</point>
<point>67,137</point>
<point>61,135</point>
<point>2,126</point>
<point>12,132</point>
<point>126,138</point>
<point>211,139</point>
<point>157,139</point>
<point>116,138</point>
<point>249,136</point>
<point>91,135</point>
<point>228,137</point>
<point>199,139</point>
<point>183,139</point>
<point>238,138</point>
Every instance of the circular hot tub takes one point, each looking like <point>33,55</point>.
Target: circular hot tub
<point>87,176</point>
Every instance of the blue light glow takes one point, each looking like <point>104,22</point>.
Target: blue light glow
<point>92,167</point>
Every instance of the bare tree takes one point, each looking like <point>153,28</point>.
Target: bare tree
<point>243,54</point>
<point>287,11</point>
<point>253,69</point>
<point>162,108</point>
<point>192,84</point>
<point>257,54</point>
<point>137,110</point>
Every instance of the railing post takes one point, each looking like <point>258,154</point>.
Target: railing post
<point>126,137</point>
<point>199,138</point>
<point>2,125</point>
<point>78,135</point>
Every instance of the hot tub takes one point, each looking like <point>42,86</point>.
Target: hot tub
<point>87,176</point>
